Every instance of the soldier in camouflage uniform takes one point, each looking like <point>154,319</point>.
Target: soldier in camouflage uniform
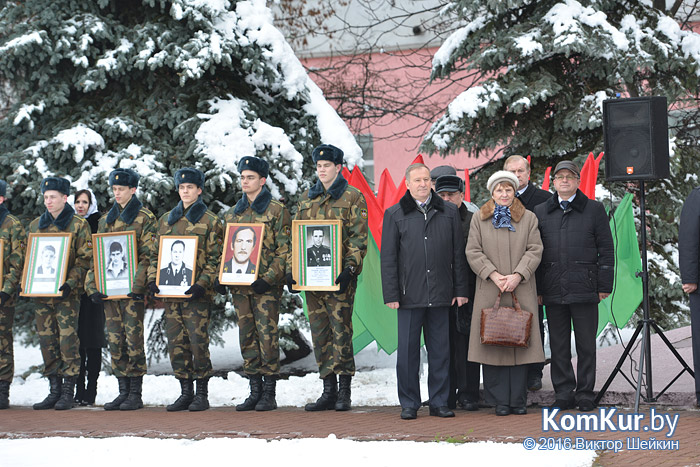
<point>330,313</point>
<point>258,305</point>
<point>57,318</point>
<point>13,236</point>
<point>124,317</point>
<point>187,320</point>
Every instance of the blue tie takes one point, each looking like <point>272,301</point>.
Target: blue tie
<point>565,205</point>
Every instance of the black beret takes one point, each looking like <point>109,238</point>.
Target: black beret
<point>328,152</point>
<point>255,164</point>
<point>3,188</point>
<point>55,183</point>
<point>450,183</point>
<point>189,175</point>
<point>124,177</point>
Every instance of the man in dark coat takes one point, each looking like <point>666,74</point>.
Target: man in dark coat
<point>464,375</point>
<point>530,196</point>
<point>577,272</point>
<point>689,262</point>
<point>423,263</point>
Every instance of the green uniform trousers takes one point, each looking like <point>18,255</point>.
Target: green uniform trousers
<point>7,356</point>
<point>57,327</point>
<point>124,322</point>
<point>187,328</point>
<point>258,316</point>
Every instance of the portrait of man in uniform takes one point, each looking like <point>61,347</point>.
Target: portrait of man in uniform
<point>176,272</point>
<point>319,253</point>
<point>117,266</point>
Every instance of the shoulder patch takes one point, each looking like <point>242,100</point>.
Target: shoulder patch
<point>363,213</point>
<point>287,230</point>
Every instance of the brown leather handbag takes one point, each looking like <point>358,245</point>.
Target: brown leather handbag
<point>505,326</point>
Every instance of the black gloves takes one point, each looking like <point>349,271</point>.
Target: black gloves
<point>97,298</point>
<point>290,283</point>
<point>260,286</point>
<point>197,291</point>
<point>135,296</point>
<point>219,287</point>
<point>4,298</point>
<point>65,288</point>
<point>153,288</point>
<point>344,280</point>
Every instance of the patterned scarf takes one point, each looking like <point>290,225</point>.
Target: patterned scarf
<point>501,218</point>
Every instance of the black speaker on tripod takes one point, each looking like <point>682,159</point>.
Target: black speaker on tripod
<point>635,132</point>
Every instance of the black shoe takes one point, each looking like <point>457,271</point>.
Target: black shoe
<point>562,404</point>
<point>502,410</point>
<point>133,400</point>
<point>343,402</point>
<point>124,385</point>
<point>470,406</point>
<point>518,410</point>
<point>201,399</point>
<point>256,390</point>
<point>55,382</point>
<point>186,396</point>
<point>328,397</point>
<point>442,412</point>
<point>66,400</point>
<point>4,395</point>
<point>586,405</point>
<point>267,402</point>
<point>534,383</point>
<point>90,393</point>
<point>409,413</point>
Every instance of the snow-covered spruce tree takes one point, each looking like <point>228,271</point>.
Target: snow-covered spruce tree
<point>155,85</point>
<point>547,66</point>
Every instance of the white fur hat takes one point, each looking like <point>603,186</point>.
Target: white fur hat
<point>500,177</point>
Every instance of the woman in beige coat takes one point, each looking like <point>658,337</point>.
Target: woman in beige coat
<point>504,249</point>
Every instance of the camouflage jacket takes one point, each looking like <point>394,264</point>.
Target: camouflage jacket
<point>275,246</point>
<point>133,218</point>
<point>343,202</point>
<point>14,237</point>
<point>80,252</point>
<point>195,220</point>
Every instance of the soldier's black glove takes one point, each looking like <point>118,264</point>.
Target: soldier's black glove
<point>65,289</point>
<point>219,287</point>
<point>197,291</point>
<point>290,283</point>
<point>153,288</point>
<point>97,298</point>
<point>135,296</point>
<point>260,286</point>
<point>344,280</point>
<point>4,298</point>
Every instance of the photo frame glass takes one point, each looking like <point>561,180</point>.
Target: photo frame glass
<point>115,262</point>
<point>177,262</point>
<point>240,258</point>
<point>316,254</point>
<point>46,264</point>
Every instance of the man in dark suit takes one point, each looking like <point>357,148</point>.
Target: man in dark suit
<point>318,254</point>
<point>48,260</point>
<point>530,196</point>
<point>176,273</point>
<point>243,243</point>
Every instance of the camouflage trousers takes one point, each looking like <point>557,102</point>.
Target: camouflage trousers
<point>7,356</point>
<point>124,322</point>
<point>258,333</point>
<point>330,319</point>
<point>57,327</point>
<point>187,328</point>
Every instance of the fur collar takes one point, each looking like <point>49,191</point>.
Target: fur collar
<point>127,215</point>
<point>336,190</point>
<point>3,213</point>
<point>194,212</point>
<point>578,204</point>
<point>517,210</point>
<point>260,203</point>
<point>62,221</point>
<point>408,204</point>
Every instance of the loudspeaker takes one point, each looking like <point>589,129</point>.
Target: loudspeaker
<point>635,132</point>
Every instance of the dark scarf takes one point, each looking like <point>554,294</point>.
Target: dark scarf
<point>62,221</point>
<point>260,204</point>
<point>194,212</point>
<point>501,218</point>
<point>127,215</point>
<point>336,190</point>
<point>3,213</point>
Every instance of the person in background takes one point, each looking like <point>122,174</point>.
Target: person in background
<point>689,262</point>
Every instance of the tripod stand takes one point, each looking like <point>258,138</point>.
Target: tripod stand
<point>644,326</point>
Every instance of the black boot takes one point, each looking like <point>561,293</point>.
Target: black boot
<point>133,400</point>
<point>186,396</point>
<point>54,394</point>
<point>267,401</point>
<point>123,394</point>
<point>66,400</point>
<point>201,399</point>
<point>343,402</point>
<point>328,397</point>
<point>256,387</point>
<point>80,391</point>
<point>4,394</point>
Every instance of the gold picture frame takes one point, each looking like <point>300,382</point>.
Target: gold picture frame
<point>115,261</point>
<point>174,279</point>
<point>45,264</point>
<point>317,254</point>
<point>241,241</point>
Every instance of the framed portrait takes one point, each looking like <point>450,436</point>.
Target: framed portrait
<point>45,264</point>
<point>177,260</point>
<point>317,254</point>
<point>114,256</point>
<point>241,254</point>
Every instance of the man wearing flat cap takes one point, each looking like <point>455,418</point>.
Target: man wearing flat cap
<point>124,317</point>
<point>575,274</point>
<point>13,235</point>
<point>330,313</point>
<point>465,376</point>
<point>187,319</point>
<point>258,304</point>
<point>57,318</point>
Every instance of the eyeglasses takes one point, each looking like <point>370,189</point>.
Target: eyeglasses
<point>565,177</point>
